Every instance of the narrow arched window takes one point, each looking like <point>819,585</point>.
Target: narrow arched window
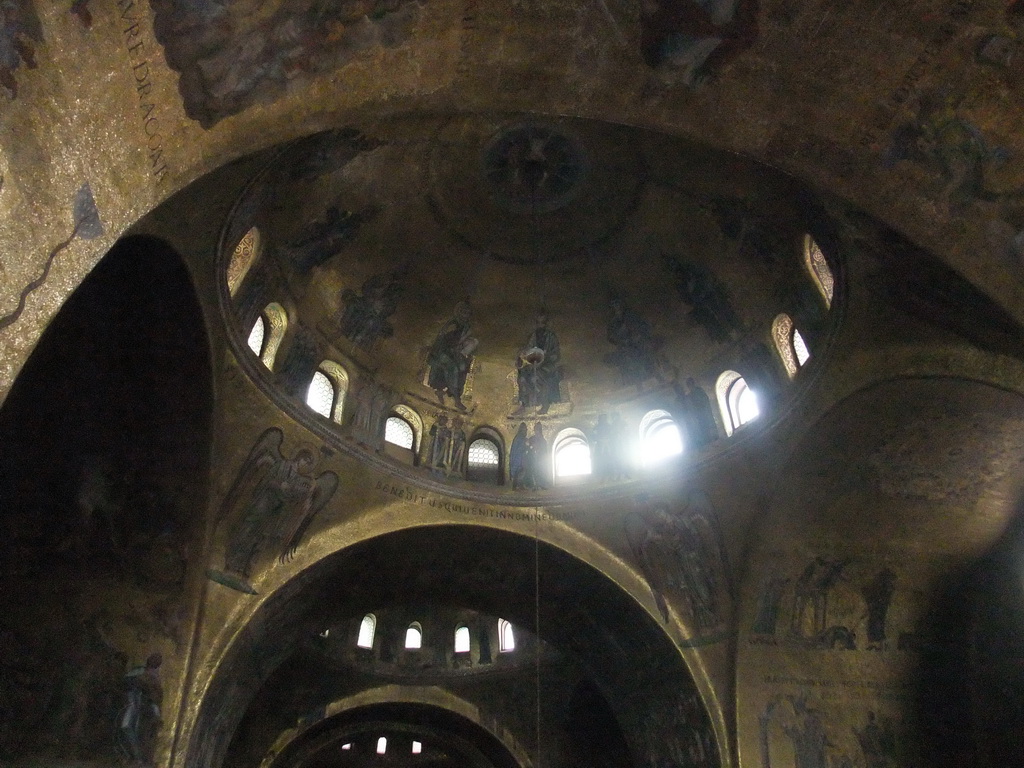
<point>414,636</point>
<point>803,354</point>
<point>483,464</point>
<point>327,389</point>
<point>659,437</point>
<point>413,420</point>
<point>789,344</point>
<point>382,745</point>
<point>462,639</point>
<point>398,431</point>
<point>571,454</point>
<point>320,395</point>
<point>367,628</point>
<point>506,638</point>
<point>817,265</point>
<point>267,333</point>
<point>736,400</point>
<point>257,336</point>
<point>242,259</point>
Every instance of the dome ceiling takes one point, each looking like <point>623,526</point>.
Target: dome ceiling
<point>652,259</point>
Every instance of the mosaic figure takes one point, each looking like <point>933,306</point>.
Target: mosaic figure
<point>440,446</point>
<point>324,238</point>
<point>941,141</point>
<point>272,502</point>
<point>635,354</point>
<point>537,461</point>
<point>451,355</point>
<point>233,55</point>
<point>690,41</point>
<point>517,457</point>
<point>682,557</point>
<point>700,290</point>
<point>698,418</point>
<point>20,31</point>
<point>364,319</point>
<point>140,718</point>
<point>539,369</point>
<point>458,455</point>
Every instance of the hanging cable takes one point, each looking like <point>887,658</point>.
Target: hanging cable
<point>536,622</point>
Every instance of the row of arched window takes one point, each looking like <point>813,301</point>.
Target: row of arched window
<point>414,635</point>
<point>660,437</point>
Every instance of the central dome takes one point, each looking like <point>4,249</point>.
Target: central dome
<point>501,267</point>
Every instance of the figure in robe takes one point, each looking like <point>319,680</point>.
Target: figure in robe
<point>458,454</point>
<point>539,369</point>
<point>440,446</point>
<point>272,503</point>
<point>636,349</point>
<point>517,457</point>
<point>450,357</point>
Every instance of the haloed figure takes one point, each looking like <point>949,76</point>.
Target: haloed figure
<point>450,357</point>
<point>538,368</point>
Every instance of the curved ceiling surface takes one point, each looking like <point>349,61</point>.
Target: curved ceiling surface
<point>652,259</point>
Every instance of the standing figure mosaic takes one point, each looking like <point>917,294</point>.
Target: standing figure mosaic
<point>451,355</point>
<point>539,368</point>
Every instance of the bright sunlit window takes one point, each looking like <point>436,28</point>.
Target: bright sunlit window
<point>800,348</point>
<point>506,638</point>
<point>382,745</point>
<point>736,400</point>
<point>320,395</point>
<point>742,403</point>
<point>399,432</point>
<point>267,333</point>
<point>483,453</point>
<point>462,639</point>
<point>417,747</point>
<point>659,437</point>
<point>571,454</point>
<point>259,330</point>
<point>347,746</point>
<point>414,637</point>
<point>366,631</point>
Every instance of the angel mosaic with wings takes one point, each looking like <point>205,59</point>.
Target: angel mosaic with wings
<point>270,506</point>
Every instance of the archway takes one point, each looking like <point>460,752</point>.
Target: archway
<point>614,649</point>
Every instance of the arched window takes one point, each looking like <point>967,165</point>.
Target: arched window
<point>413,420</point>
<point>483,462</point>
<point>414,636</point>
<point>506,638</point>
<point>382,745</point>
<point>257,335</point>
<point>571,454</point>
<point>462,639</point>
<point>367,628</point>
<point>736,400</point>
<point>320,395</point>
<point>790,344</point>
<point>398,431</point>
<point>267,332</point>
<point>817,265</point>
<point>659,437</point>
<point>327,390</point>
<point>242,258</point>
